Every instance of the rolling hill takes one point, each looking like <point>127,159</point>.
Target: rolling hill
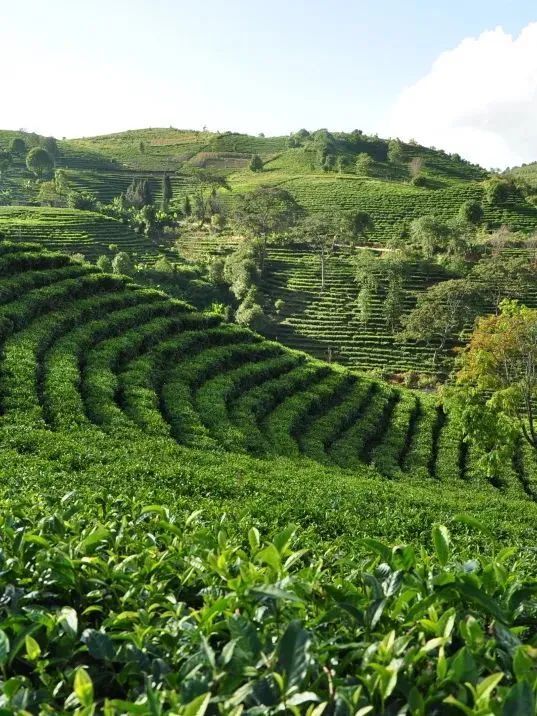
<point>324,323</point>
<point>132,427</point>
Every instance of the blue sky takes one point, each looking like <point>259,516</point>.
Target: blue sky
<point>84,68</point>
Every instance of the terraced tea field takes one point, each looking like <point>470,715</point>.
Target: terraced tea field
<point>73,231</point>
<point>84,350</point>
<point>141,441</point>
<point>329,321</point>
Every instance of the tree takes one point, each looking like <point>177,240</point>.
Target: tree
<point>364,303</point>
<point>501,277</point>
<point>395,151</point>
<point>204,184</point>
<point>241,267</point>
<point>497,190</point>
<point>393,305</point>
<point>250,312</point>
<point>47,194</point>
<point>319,231</point>
<point>471,212</point>
<point>355,226</point>
<point>123,264</point>
<point>329,163</point>
<point>499,239</point>
<point>82,200</point>
<point>18,146</point>
<point>141,147</point>
<point>364,164</point>
<point>139,193</point>
<point>326,232</point>
<point>266,210</point>
<point>415,167</point>
<point>187,206</point>
<point>39,161</point>
<point>429,235</point>
<point>61,181</point>
<point>51,146</point>
<point>104,263</point>
<point>167,192</point>
<point>441,313</point>
<point>256,163</point>
<point>496,386</point>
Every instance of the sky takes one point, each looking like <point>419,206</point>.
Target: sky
<point>456,74</point>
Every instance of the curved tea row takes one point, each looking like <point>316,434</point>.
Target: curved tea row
<point>86,351</point>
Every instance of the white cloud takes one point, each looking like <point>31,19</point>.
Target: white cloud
<point>479,99</point>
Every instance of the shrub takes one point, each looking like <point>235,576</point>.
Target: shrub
<point>104,263</point>
<point>123,264</point>
<point>83,200</point>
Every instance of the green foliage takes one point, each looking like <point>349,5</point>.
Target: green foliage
<point>256,163</point>
<point>18,146</point>
<point>139,193</point>
<point>187,206</point>
<point>471,212</point>
<point>250,610</point>
<point>123,264</point>
<point>442,312</point>
<point>250,313</point>
<point>167,192</point>
<point>5,162</point>
<point>104,263</point>
<point>265,211</point>
<point>395,151</point>
<point>496,387</point>
<point>83,200</point>
<point>39,162</point>
<point>364,164</point>
<point>497,190</point>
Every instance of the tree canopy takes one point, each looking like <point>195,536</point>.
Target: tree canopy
<point>39,161</point>
<point>441,313</point>
<point>496,386</point>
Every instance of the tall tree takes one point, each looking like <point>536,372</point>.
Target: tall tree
<point>167,192</point>
<point>204,184</point>
<point>39,162</point>
<point>441,313</point>
<point>429,235</point>
<point>5,162</point>
<point>265,211</point>
<point>395,151</point>
<point>501,277</point>
<point>320,232</point>
<point>18,146</point>
<point>364,164</point>
<point>496,386</point>
<point>393,305</point>
<point>256,163</point>
<point>139,193</point>
<point>51,146</point>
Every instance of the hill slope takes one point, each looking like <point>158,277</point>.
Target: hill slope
<point>128,428</point>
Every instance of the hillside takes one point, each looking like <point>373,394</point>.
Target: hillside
<point>74,231</point>
<point>117,400</point>
<point>526,173</point>
<point>326,323</point>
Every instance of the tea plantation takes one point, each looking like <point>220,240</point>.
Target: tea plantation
<point>74,231</point>
<point>198,519</point>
